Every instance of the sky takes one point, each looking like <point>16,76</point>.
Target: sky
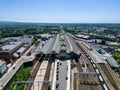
<point>60,11</point>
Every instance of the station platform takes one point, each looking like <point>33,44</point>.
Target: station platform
<point>40,76</point>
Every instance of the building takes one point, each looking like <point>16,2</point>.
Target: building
<point>43,36</point>
<point>8,52</point>
<point>113,43</point>
<point>86,37</point>
<point>3,42</point>
<point>3,67</point>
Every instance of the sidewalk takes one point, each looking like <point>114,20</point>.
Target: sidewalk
<point>68,74</point>
<point>40,76</point>
<point>54,76</point>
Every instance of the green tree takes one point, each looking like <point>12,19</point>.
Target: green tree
<point>116,55</point>
<point>0,34</point>
<point>103,42</point>
<point>95,41</point>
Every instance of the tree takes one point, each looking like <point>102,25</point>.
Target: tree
<point>116,55</point>
<point>95,41</point>
<point>103,42</point>
<point>0,34</point>
<point>35,39</point>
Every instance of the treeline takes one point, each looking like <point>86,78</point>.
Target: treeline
<point>18,32</point>
<point>13,30</point>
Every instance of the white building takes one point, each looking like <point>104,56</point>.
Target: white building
<point>3,67</point>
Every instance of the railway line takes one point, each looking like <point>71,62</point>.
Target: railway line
<point>108,74</point>
<point>40,70</point>
<point>46,78</point>
<point>111,78</point>
<point>33,74</point>
<point>88,82</point>
<point>88,76</point>
<point>65,50</point>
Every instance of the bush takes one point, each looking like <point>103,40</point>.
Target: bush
<point>116,55</point>
<point>22,75</point>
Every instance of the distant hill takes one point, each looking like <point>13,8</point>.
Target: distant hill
<point>7,22</point>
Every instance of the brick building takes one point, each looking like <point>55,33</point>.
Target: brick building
<point>9,52</point>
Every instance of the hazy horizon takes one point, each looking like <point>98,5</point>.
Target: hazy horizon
<point>4,21</point>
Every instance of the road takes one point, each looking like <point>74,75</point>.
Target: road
<point>10,73</point>
<point>5,79</point>
<point>62,74</point>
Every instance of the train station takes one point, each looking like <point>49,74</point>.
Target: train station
<point>60,46</point>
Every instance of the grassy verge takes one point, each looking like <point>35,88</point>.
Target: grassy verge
<point>22,75</point>
<point>116,55</point>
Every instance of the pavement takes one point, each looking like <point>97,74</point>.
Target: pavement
<point>73,71</point>
<point>62,77</point>
<point>68,74</point>
<point>10,73</point>
<point>52,72</point>
<point>13,69</point>
<point>54,76</point>
<point>94,54</point>
<point>40,76</point>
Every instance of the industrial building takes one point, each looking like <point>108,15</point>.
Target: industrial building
<point>9,52</point>
<point>43,36</point>
<point>3,67</point>
<point>13,47</point>
<point>3,42</point>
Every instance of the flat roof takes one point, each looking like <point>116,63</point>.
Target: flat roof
<point>82,36</point>
<point>10,46</point>
<point>111,60</point>
<point>43,35</point>
<point>21,50</point>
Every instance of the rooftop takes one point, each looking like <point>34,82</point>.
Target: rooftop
<point>1,62</point>
<point>10,46</point>
<point>82,36</point>
<point>111,60</point>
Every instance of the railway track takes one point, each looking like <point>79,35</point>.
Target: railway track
<point>47,76</point>
<point>88,82</point>
<point>108,74</point>
<point>84,85</point>
<point>45,86</point>
<point>33,74</point>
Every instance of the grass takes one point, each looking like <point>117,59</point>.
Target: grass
<point>116,55</point>
<point>22,75</point>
